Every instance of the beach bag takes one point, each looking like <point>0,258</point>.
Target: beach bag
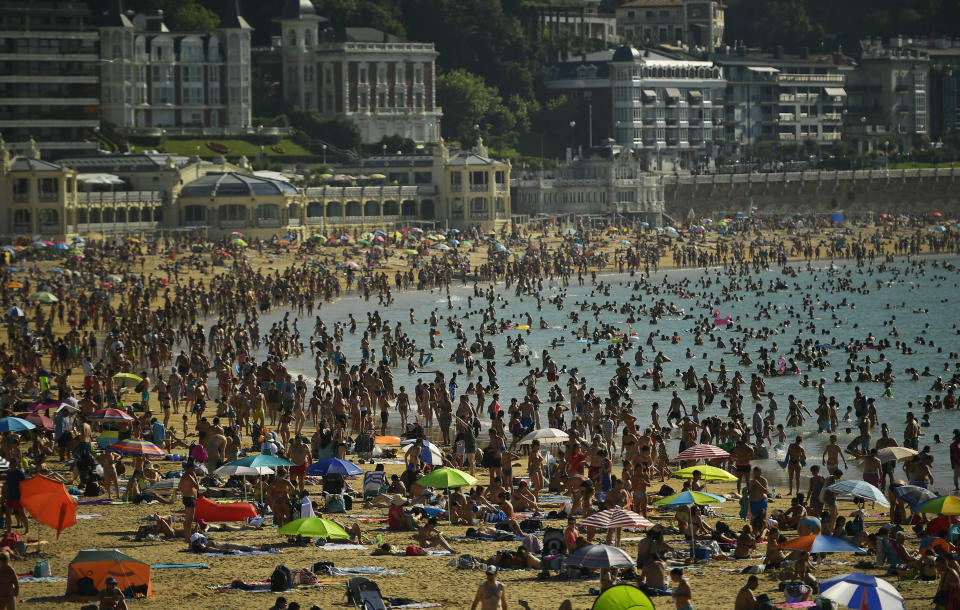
<point>466,562</point>
<point>335,504</point>
<point>86,587</point>
<point>412,551</point>
<point>796,592</point>
<point>494,517</point>
<point>531,525</point>
<point>281,579</point>
<point>322,567</point>
<point>41,569</point>
<point>532,544</point>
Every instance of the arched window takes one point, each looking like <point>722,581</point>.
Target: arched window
<point>194,213</point>
<point>371,208</point>
<point>334,209</point>
<point>391,208</point>
<point>315,209</point>
<point>354,208</point>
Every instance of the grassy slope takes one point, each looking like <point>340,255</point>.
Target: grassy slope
<point>237,147</point>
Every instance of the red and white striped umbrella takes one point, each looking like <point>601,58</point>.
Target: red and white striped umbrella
<point>614,518</point>
<point>701,452</point>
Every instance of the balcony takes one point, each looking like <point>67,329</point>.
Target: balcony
<point>788,97</point>
<point>831,136</point>
<point>293,222</point>
<point>479,188</point>
<point>456,188</point>
<point>787,117</point>
<point>232,224</point>
<point>809,79</point>
<point>787,137</point>
<point>833,116</point>
<point>266,223</point>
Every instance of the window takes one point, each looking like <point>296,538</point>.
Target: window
<point>418,73</point>
<point>455,181</point>
<point>362,74</point>
<point>381,73</point>
<point>456,207</point>
<point>21,189</point>
<point>21,218</point>
<point>418,100</point>
<point>478,207</point>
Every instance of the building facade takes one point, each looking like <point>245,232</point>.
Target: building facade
<point>610,181</point>
<point>385,85</point>
<point>48,76</point>
<point>152,78</point>
<point>666,106</point>
<point>783,98</point>
<point>694,24</point>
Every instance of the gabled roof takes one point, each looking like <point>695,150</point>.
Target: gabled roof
<point>26,164</point>
<point>232,19</point>
<point>469,158</point>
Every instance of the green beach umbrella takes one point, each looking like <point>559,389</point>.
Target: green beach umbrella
<point>444,478</point>
<point>623,597</point>
<point>236,241</point>
<point>314,527</point>
<point>125,377</point>
<point>43,297</point>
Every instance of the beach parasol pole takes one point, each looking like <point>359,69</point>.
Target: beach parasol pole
<point>693,535</point>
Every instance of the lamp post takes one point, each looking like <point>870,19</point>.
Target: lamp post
<point>886,155</point>
<point>324,147</point>
<point>573,138</point>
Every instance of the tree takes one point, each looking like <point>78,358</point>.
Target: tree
<point>192,17</point>
<point>784,23</point>
<point>466,101</point>
<point>338,131</point>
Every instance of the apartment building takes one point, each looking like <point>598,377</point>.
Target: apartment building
<point>666,105</point>
<point>782,98</point>
<point>152,78</point>
<point>48,76</point>
<point>383,84</point>
<point>694,24</point>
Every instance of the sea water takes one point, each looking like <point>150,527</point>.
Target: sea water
<point>929,292</point>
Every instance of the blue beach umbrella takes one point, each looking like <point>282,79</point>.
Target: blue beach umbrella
<point>14,312</point>
<point>260,460</point>
<point>333,466</point>
<point>860,489</point>
<point>570,231</point>
<point>15,424</point>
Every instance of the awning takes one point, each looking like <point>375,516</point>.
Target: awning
<point>835,91</point>
<point>672,93</point>
<point>695,94</point>
<point>106,179</point>
<point>650,94</point>
<point>764,69</point>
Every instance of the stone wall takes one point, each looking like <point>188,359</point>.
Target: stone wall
<point>912,191</point>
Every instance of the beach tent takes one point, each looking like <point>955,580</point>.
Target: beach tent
<point>623,597</point>
<point>209,510</point>
<point>133,575</point>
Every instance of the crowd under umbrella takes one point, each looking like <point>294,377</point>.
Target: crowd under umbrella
<point>691,499</point>
<point>895,454</point>
<point>861,490</point>
<point>701,452</point>
<point>261,460</point>
<point>820,543</point>
<point>127,378</point>
<point>623,597</point>
<point>232,470</point>
<point>594,556</point>
<point>109,414</point>
<point>862,592</point>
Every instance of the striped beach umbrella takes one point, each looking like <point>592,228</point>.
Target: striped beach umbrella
<point>614,518</point>
<point>862,592</point>
<point>701,452</point>
<point>110,415</point>
<point>137,446</point>
<point>913,495</point>
<point>942,505</point>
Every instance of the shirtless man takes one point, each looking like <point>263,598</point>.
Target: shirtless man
<point>535,467</point>
<point>742,454</point>
<point>491,594</point>
<point>758,492</point>
<point>872,468</point>
<point>300,456</point>
<point>745,598</point>
<point>112,597</point>
<point>616,498</point>
<point>833,454</point>
<point>215,444</point>
<point>9,585</point>
<point>796,456</point>
<point>189,487</point>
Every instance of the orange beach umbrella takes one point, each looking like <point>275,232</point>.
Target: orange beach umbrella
<point>49,502</point>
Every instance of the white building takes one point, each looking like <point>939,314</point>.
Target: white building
<point>153,78</point>
<point>383,84</point>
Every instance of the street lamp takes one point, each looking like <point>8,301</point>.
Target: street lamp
<point>324,147</point>
<point>573,137</point>
<point>886,154</point>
